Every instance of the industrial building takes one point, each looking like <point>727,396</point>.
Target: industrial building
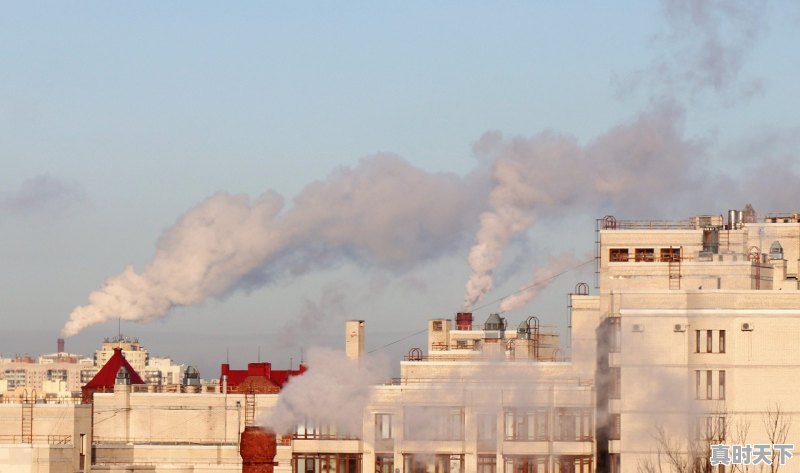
<point>688,339</point>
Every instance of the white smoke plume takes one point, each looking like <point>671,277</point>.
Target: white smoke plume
<point>542,278</point>
<point>333,392</point>
<point>631,167</point>
<point>384,212</point>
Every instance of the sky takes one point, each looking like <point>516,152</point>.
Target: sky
<point>268,170</point>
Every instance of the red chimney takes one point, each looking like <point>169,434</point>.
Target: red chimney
<point>258,448</point>
<point>464,321</point>
<point>60,346</point>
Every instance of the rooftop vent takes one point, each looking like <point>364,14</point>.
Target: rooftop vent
<point>775,251</point>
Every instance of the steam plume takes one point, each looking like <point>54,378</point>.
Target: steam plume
<point>630,167</point>
<point>332,392</point>
<point>384,212</point>
<point>543,276</point>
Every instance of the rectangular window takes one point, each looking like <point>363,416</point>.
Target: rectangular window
<point>573,464</point>
<point>326,462</point>
<point>526,464</point>
<point>709,341</point>
<point>574,424</point>
<point>722,341</point>
<point>527,424</point>
<point>384,463</point>
<point>383,426</point>
<point>670,254</point>
<point>697,344</point>
<point>616,334</point>
<point>709,385</point>
<point>616,427</point>
<point>487,427</point>
<point>433,463</point>
<point>645,255</point>
<point>722,384</point>
<point>437,325</point>
<point>487,464</point>
<point>434,423</point>
<point>698,384</point>
<point>615,387</point>
<point>618,255</point>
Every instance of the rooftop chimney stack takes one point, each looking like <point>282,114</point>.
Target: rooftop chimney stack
<point>60,345</point>
<point>354,343</point>
<point>257,449</point>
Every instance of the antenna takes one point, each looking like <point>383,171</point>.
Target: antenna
<point>119,332</point>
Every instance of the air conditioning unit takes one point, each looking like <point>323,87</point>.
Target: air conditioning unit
<point>679,327</point>
<point>747,326</point>
<point>638,327</point>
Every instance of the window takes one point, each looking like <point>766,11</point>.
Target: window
<point>708,347</point>
<point>697,344</point>
<point>616,427</point>
<point>487,464</point>
<point>711,428</point>
<point>615,329</point>
<point>670,254</point>
<point>618,255</point>
<point>709,341</point>
<point>383,426</point>
<point>527,424</point>
<point>434,423</point>
<point>722,384</point>
<point>526,464</point>
<point>384,463</point>
<point>698,385</point>
<point>487,427</point>
<point>709,393</point>
<point>573,464</point>
<point>573,424</point>
<point>433,463</point>
<point>722,341</point>
<point>309,429</point>
<point>437,325</point>
<point>645,254</point>
<point>615,386</point>
<point>326,463</point>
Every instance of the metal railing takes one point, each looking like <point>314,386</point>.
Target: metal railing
<point>37,439</point>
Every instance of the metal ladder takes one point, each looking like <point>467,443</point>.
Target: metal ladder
<point>27,420</point>
<point>674,273</point>
<point>249,407</point>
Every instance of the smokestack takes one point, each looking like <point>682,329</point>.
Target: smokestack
<point>354,344</point>
<point>464,321</point>
<point>60,345</point>
<point>258,448</point>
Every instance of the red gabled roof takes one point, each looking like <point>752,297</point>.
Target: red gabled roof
<point>107,376</point>
<point>259,371</point>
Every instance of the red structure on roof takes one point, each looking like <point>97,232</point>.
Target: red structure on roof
<point>258,378</point>
<point>105,379</point>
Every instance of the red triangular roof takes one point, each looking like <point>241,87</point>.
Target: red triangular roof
<point>107,376</point>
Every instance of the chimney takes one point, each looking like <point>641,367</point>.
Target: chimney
<point>60,345</point>
<point>354,342</point>
<point>258,448</point>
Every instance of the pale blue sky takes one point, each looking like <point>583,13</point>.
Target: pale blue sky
<point>137,112</point>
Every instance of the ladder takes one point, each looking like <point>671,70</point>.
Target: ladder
<point>27,421</point>
<point>674,273</point>
<point>249,407</point>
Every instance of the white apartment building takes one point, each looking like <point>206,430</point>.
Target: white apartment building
<point>701,320</point>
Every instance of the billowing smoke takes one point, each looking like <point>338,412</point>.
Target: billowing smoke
<point>631,167</point>
<point>542,277</point>
<point>333,392</point>
<point>384,212</point>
